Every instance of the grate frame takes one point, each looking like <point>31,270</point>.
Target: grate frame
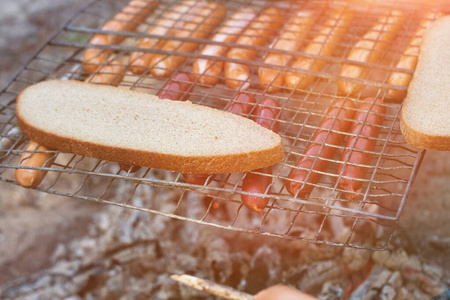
<point>325,216</point>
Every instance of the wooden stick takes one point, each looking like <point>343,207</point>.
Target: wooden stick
<point>212,288</point>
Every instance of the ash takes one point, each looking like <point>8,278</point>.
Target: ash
<point>130,254</point>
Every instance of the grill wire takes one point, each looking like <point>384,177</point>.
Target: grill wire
<point>325,216</point>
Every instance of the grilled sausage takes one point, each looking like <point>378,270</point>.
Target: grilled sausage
<point>241,104</point>
<point>177,88</point>
<point>266,113</point>
<point>409,59</point>
<point>31,178</point>
<point>290,40</point>
<point>368,49</point>
<point>198,24</point>
<point>126,20</point>
<point>258,34</point>
<point>209,70</point>
<point>365,129</point>
<point>259,180</point>
<point>140,61</point>
<point>323,44</point>
<point>112,74</point>
<point>321,148</point>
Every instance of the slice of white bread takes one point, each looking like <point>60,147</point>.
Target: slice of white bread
<point>425,115</point>
<point>129,127</point>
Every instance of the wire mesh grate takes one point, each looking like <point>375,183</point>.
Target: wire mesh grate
<point>325,215</point>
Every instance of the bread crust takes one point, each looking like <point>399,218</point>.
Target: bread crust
<point>421,139</point>
<point>230,163</point>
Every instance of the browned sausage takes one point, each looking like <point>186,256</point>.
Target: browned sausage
<point>112,73</point>
<point>331,133</point>
<point>369,49</point>
<point>140,61</point>
<point>31,178</point>
<point>209,70</point>
<point>258,34</point>
<point>241,104</point>
<point>259,180</point>
<point>290,40</point>
<point>126,20</point>
<point>409,59</point>
<point>364,131</point>
<point>198,24</point>
<point>324,44</point>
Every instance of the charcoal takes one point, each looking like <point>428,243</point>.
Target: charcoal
<point>332,291</point>
<point>130,254</point>
<point>265,269</point>
<point>218,259</point>
<point>319,272</point>
<point>403,294</point>
<point>387,293</point>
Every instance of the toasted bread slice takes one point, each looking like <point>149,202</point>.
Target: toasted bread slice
<point>129,127</point>
<point>425,115</point>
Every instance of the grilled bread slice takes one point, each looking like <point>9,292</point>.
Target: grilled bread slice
<point>130,127</point>
<point>425,115</point>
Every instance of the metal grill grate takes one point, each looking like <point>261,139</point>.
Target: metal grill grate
<point>325,216</point>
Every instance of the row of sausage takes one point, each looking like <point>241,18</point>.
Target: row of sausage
<point>367,118</point>
<point>248,30</point>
